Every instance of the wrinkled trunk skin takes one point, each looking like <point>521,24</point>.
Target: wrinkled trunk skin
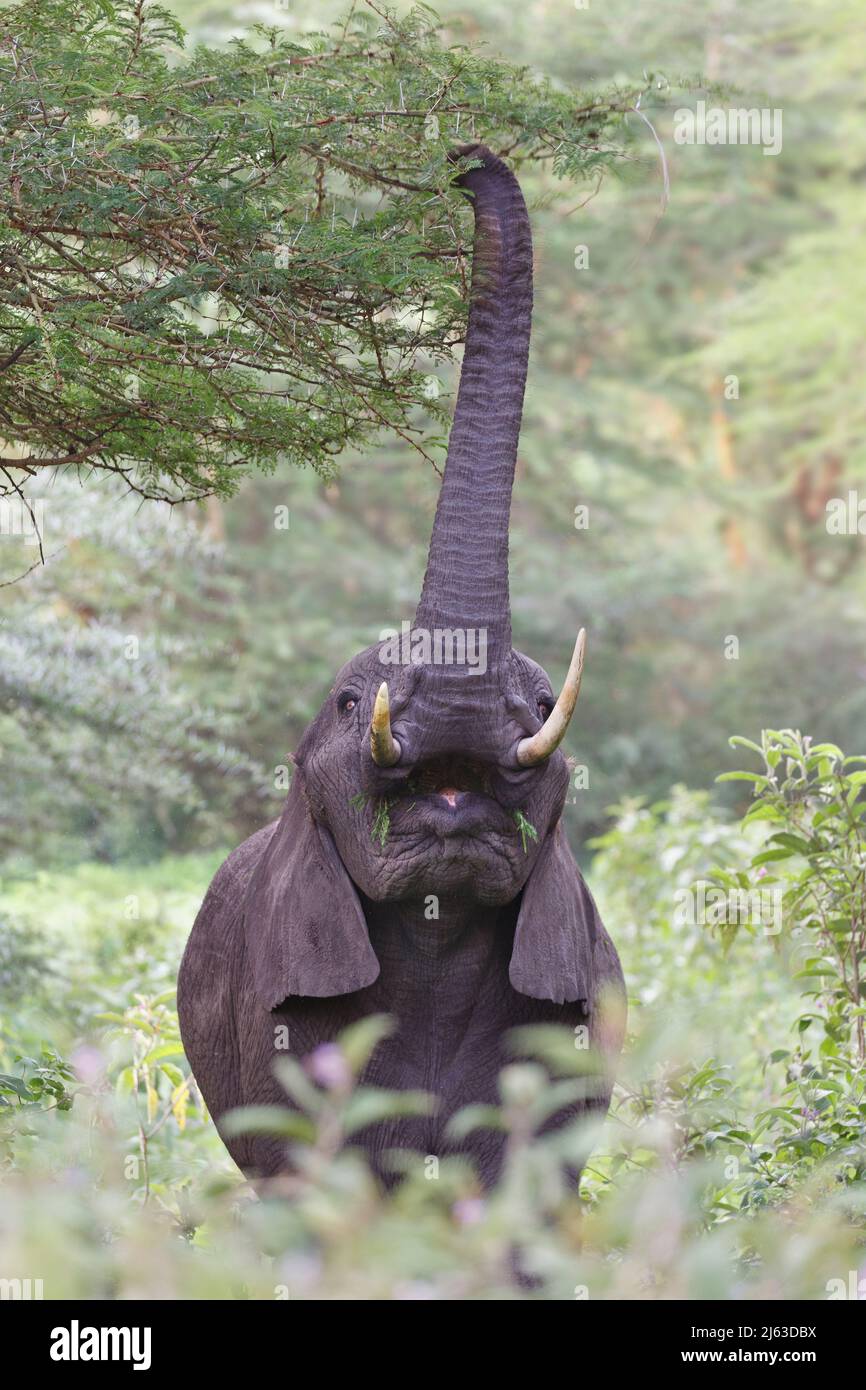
<point>466,582</point>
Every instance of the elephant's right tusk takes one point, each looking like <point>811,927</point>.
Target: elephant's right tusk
<point>383,746</point>
<point>534,750</point>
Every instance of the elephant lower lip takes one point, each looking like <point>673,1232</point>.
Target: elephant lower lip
<point>449,811</point>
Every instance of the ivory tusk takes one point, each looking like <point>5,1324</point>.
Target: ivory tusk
<point>531,751</point>
<point>384,747</point>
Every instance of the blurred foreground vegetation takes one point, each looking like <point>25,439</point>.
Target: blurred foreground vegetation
<point>733,1163</point>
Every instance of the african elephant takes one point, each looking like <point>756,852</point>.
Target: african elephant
<point>313,923</point>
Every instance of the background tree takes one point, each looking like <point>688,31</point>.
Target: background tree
<point>229,259</point>
<point>706,514</point>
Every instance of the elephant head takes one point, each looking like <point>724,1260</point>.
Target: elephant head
<point>433,768</point>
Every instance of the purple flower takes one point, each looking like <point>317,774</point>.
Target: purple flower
<point>328,1067</point>
<point>88,1064</point>
<point>468,1211</point>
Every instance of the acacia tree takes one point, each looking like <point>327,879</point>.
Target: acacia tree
<point>219,260</point>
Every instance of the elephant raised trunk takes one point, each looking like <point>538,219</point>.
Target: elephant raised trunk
<point>466,584</point>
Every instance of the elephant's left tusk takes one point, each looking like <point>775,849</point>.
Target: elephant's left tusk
<point>548,738</point>
<point>383,746</point>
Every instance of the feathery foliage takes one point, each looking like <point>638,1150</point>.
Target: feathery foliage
<point>230,258</point>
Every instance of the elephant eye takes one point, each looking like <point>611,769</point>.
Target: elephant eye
<point>545,709</point>
<point>346,702</point>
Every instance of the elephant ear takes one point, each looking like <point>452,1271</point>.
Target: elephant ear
<point>305,929</point>
<point>557,929</point>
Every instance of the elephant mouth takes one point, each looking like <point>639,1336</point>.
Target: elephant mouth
<point>449,778</point>
<point>451,796</point>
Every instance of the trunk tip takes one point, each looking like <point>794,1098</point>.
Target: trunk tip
<point>492,164</point>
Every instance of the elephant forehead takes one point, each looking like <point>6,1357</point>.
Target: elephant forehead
<point>412,659</point>
<point>528,671</point>
<point>363,663</point>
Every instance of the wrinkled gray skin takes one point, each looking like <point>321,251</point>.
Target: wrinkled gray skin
<point>313,924</point>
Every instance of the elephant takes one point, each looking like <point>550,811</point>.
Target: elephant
<point>464,914</point>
